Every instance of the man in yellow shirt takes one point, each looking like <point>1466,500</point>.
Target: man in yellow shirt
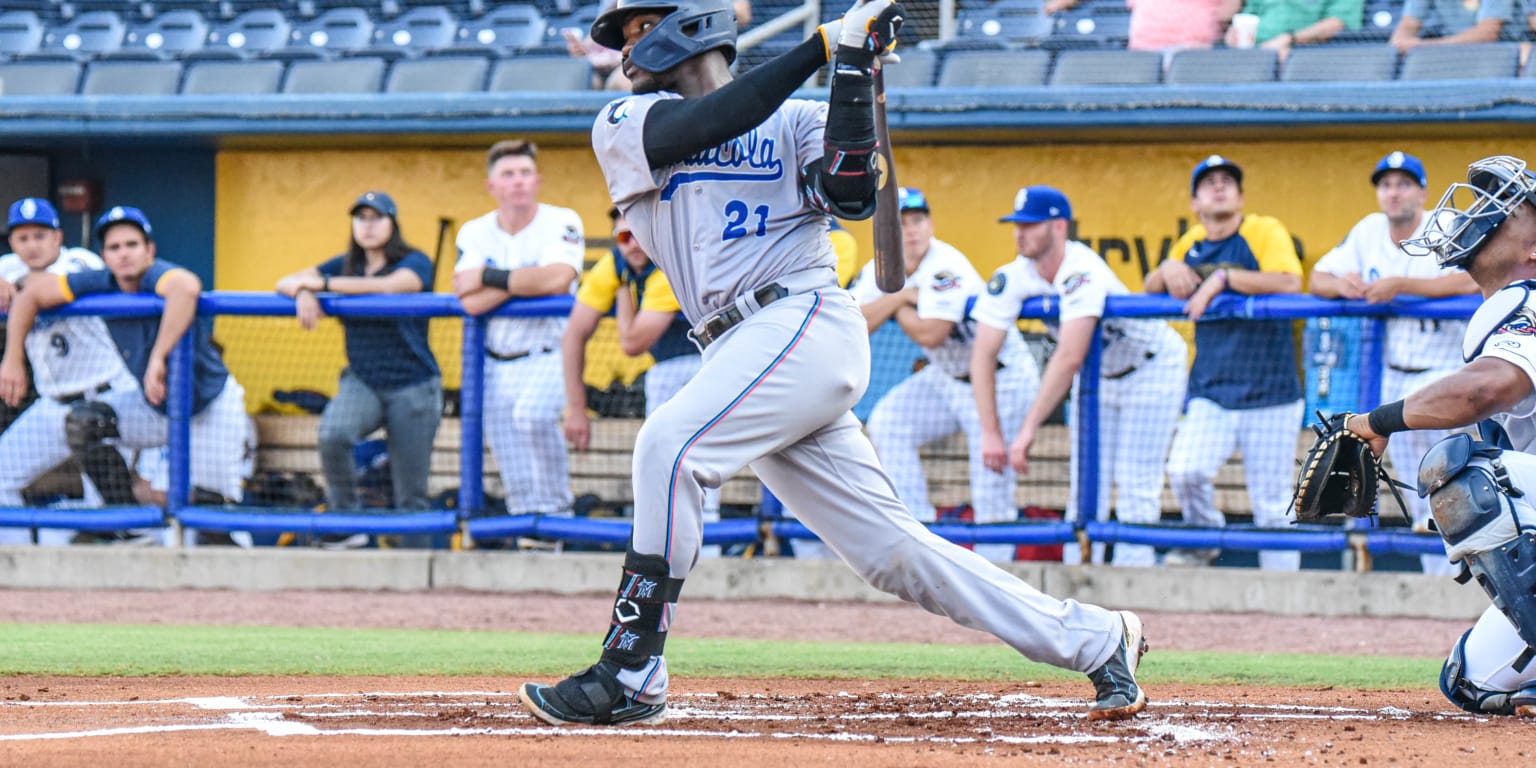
<point>626,283</point>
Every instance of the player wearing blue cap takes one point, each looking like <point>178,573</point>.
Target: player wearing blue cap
<point>128,418</point>
<point>1141,379</point>
<point>1244,390</point>
<point>1370,265</point>
<point>73,360</point>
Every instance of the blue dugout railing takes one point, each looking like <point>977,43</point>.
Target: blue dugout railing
<point>770,523</point>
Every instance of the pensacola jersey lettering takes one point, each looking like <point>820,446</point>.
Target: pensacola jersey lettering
<point>726,220</point>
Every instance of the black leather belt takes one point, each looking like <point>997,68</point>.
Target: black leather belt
<point>1401,369</point>
<point>497,356</point>
<point>717,324</point>
<point>966,378</point>
<point>1130,370</point>
<point>75,397</point>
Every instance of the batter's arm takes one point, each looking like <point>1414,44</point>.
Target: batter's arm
<point>573,362</point>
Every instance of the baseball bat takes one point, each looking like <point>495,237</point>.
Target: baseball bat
<point>890,261</point>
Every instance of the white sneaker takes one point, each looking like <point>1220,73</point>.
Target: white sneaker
<point>1190,558</point>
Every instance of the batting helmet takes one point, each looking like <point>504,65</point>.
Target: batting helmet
<point>1469,213</point>
<point>686,30</point>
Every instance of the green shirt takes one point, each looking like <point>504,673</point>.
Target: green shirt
<point>1276,17</point>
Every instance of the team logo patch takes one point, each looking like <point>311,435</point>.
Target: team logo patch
<point>571,235</point>
<point>618,111</point>
<point>1523,323</point>
<point>944,281</point>
<point>1074,282</point>
<point>996,285</point>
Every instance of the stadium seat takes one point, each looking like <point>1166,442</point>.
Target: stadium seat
<point>1377,22</point>
<point>219,78</point>
<point>507,28</point>
<point>21,32</point>
<point>994,69</point>
<point>541,73</point>
<point>167,35</point>
<point>138,78</point>
<point>1090,26</point>
<point>39,78</point>
<point>88,33</point>
<point>1197,66</point>
<point>1460,62</point>
<point>337,30</point>
<point>1365,63</point>
<point>915,70</point>
<point>254,32</point>
<point>440,74</point>
<point>360,75</point>
<point>425,28</point>
<point>581,21</point>
<point>1098,67</point>
<point>1013,22</point>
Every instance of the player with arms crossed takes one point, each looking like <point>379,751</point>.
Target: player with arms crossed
<point>728,185</point>
<point>73,361</point>
<point>1480,493</point>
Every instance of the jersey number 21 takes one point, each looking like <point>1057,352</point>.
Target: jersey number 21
<point>736,216</point>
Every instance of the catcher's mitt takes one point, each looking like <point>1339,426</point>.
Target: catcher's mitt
<point>1340,474</point>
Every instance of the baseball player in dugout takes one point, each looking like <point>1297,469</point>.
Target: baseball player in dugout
<point>728,184</point>
<point>1480,491</point>
<point>1244,389</point>
<point>523,248</point>
<point>1141,382</point>
<point>626,282</point>
<point>1370,265</point>
<point>936,401</point>
<point>73,361</point>
<point>134,417</point>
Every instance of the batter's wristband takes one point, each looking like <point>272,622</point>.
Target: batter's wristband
<point>1386,419</point>
<point>496,278</point>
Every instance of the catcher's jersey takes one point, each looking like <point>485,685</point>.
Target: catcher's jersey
<point>554,236</point>
<point>946,282</point>
<point>68,354</point>
<point>729,219</point>
<point>1083,282</point>
<point>1514,342</point>
<point>1369,251</point>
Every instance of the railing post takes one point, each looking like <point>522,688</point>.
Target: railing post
<point>178,411</point>
<point>1087,438</point>
<point>1371,362</point>
<point>472,419</point>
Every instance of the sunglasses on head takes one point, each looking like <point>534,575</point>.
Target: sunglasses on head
<point>624,237</point>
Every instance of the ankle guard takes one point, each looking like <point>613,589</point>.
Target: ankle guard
<point>641,612</point>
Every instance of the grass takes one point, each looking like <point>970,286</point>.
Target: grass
<point>134,650</point>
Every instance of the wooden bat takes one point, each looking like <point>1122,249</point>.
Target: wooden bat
<point>890,260</point>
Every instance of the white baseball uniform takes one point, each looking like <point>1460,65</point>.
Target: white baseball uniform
<point>1141,385</point>
<point>1418,353</point>
<point>524,390</point>
<point>774,391</point>
<point>936,401</point>
<point>73,358</point>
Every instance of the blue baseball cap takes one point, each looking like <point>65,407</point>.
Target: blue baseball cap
<point>1038,203</point>
<point>1401,161</point>
<point>33,210</point>
<point>378,201</point>
<point>1213,163</point>
<point>122,213</point>
<point>912,199</point>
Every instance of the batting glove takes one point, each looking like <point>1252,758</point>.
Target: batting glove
<point>871,25</point>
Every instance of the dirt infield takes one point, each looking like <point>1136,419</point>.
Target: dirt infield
<point>301,722</point>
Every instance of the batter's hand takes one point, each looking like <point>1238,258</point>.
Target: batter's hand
<point>307,309</point>
<point>13,379</point>
<point>871,25</point>
<point>1179,278</point>
<point>994,453</point>
<point>154,380</point>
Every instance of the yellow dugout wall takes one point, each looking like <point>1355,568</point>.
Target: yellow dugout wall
<point>280,210</point>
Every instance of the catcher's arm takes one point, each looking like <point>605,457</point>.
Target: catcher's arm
<point>1485,387</point>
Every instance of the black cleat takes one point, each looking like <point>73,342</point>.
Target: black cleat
<point>1119,697</point>
<point>593,696</point>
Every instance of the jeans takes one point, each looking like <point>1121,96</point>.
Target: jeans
<point>409,415</point>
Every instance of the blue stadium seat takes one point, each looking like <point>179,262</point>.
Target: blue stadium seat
<point>1090,26</point>
<point>1378,20</point>
<point>439,74</point>
<point>1101,67</point>
<point>40,78</point>
<point>581,21</point>
<point>541,73</point>
<point>994,69</point>
<point>86,34</point>
<point>138,78</point>
<point>225,78</point>
<point>916,69</point>
<point>254,32</point>
<point>509,27</point>
<point>21,32</point>
<point>1013,22</point>
<point>1209,66</point>
<point>167,35</point>
<point>358,75</point>
<point>1460,62</point>
<point>338,30</point>
<point>1314,63</point>
<point>421,29</point>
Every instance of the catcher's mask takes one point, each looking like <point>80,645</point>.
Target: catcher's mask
<point>1469,213</point>
<point>686,30</point>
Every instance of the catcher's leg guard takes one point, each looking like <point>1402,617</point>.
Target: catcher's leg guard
<point>1472,500</point>
<point>1480,701</point>
<point>86,428</point>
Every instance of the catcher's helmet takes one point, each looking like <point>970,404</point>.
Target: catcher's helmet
<point>1469,213</point>
<point>687,29</point>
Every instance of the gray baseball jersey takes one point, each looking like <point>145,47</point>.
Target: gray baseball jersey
<point>68,354</point>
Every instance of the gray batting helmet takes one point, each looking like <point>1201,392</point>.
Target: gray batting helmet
<point>686,29</point>
<point>1469,213</point>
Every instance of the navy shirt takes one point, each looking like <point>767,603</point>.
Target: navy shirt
<point>674,341</point>
<point>389,353</point>
<point>135,336</point>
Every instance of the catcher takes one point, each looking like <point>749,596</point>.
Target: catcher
<point>1479,491</point>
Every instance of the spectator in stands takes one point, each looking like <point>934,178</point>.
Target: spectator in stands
<point>524,248</point>
<point>607,72</point>
<point>135,418</point>
<point>73,360</point>
<point>1451,22</point>
<point>1370,265</point>
<point>1171,25</point>
<point>391,379</point>
<point>649,320</point>
<point>1284,24</point>
<point>1244,391</point>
